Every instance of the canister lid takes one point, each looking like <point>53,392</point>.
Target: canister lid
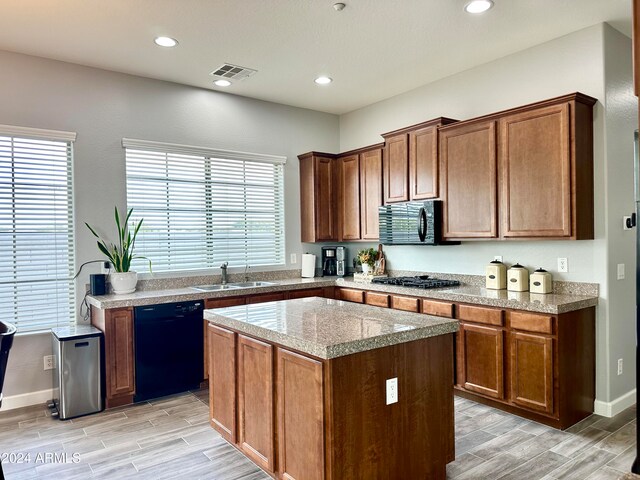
<point>517,265</point>
<point>540,270</point>
<point>498,262</point>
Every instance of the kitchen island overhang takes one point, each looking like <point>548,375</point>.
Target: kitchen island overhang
<point>323,389</point>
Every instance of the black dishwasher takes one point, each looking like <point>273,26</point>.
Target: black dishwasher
<point>168,349</point>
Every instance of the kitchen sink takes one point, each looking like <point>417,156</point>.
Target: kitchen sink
<point>213,288</point>
<point>252,284</point>
<point>231,286</point>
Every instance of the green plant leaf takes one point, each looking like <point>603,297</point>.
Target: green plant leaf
<point>92,230</point>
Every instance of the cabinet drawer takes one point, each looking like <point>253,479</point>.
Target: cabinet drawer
<point>407,304</point>
<point>377,299</point>
<point>308,292</point>
<point>531,322</point>
<point>440,309</point>
<point>223,302</point>
<point>489,316</point>
<point>351,295</point>
<point>266,297</point>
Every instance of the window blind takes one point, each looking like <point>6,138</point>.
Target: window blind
<point>201,210</point>
<point>36,229</point>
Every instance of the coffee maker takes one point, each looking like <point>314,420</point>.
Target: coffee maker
<point>329,261</point>
<point>341,261</point>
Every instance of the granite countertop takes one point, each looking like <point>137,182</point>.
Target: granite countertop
<point>467,293</point>
<point>328,328</point>
<point>170,295</point>
<point>532,302</point>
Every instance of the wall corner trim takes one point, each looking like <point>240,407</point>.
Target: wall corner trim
<point>611,409</point>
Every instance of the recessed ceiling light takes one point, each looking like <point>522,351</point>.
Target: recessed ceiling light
<point>166,41</point>
<point>323,80</point>
<point>222,83</point>
<point>478,6</point>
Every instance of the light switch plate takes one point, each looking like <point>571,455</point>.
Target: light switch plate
<point>621,271</point>
<point>392,390</point>
<point>294,258</point>
<point>498,258</point>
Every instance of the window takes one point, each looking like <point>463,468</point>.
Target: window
<point>202,207</point>
<point>36,228</point>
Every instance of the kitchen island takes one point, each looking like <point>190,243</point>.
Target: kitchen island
<point>323,389</point>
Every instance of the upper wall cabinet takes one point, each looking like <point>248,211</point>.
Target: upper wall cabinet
<point>359,193</point>
<point>410,162</point>
<point>523,173</point>
<point>318,196</point>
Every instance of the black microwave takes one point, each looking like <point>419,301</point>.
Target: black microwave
<point>412,223</point>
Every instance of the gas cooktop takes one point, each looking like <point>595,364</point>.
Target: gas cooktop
<point>419,281</point>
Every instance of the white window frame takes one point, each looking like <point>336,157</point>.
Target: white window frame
<point>210,156</point>
<point>25,314</point>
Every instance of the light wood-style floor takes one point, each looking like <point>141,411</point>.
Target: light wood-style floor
<point>170,438</point>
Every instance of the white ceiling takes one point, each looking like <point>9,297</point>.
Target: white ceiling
<point>373,49</point>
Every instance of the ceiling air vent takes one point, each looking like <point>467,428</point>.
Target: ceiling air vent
<point>232,72</point>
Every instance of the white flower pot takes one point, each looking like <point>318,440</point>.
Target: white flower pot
<point>123,282</point>
<point>366,268</point>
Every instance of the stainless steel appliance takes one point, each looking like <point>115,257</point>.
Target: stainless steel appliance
<point>635,468</point>
<point>168,346</point>
<point>412,223</point>
<point>329,260</point>
<point>77,379</point>
<point>419,281</point>
<point>341,261</point>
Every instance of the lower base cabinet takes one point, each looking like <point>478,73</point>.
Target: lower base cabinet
<point>303,418</point>
<point>481,359</point>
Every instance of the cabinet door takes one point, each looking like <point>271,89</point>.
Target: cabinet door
<point>325,199</point>
<point>370,193</point>
<point>531,367</point>
<point>120,360</point>
<point>535,162</point>
<point>349,198</point>
<point>468,181</point>
<point>300,417</point>
<point>480,359</point>
<point>255,401</point>
<point>222,381</point>
<point>216,303</point>
<point>396,169</point>
<point>423,163</point>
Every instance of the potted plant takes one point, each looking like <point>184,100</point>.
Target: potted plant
<point>123,280</point>
<point>367,258</point>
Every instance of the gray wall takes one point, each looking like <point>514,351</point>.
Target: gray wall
<point>595,61</point>
<point>103,107</point>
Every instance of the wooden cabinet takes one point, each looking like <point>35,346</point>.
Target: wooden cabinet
<point>117,326</point>
<point>350,295</point>
<point>539,157</point>
<point>222,381</point>
<point>531,367</point>
<point>216,303</point>
<point>318,197</point>
<point>468,181</point>
<point>349,198</point>
<point>481,359</point>
<point>300,416</point>
<point>376,299</point>
<point>266,297</point>
<point>423,163</point>
<point>307,292</point>
<point>255,401</point>
<point>410,162</point>
<point>370,193</point>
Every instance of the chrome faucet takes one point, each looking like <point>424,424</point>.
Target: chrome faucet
<point>246,272</point>
<point>223,269</point>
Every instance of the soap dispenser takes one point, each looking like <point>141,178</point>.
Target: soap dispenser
<point>496,276</point>
<point>518,278</point>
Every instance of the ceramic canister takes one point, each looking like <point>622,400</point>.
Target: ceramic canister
<point>541,281</point>
<point>496,276</point>
<point>518,278</point>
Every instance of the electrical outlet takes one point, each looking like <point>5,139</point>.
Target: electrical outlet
<point>625,225</point>
<point>619,366</point>
<point>498,258</point>
<point>294,258</point>
<point>392,390</point>
<point>48,362</point>
<point>621,271</point>
<point>563,265</point>
<point>104,267</point>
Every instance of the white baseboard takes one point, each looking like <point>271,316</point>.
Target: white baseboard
<point>26,399</point>
<point>611,409</point>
